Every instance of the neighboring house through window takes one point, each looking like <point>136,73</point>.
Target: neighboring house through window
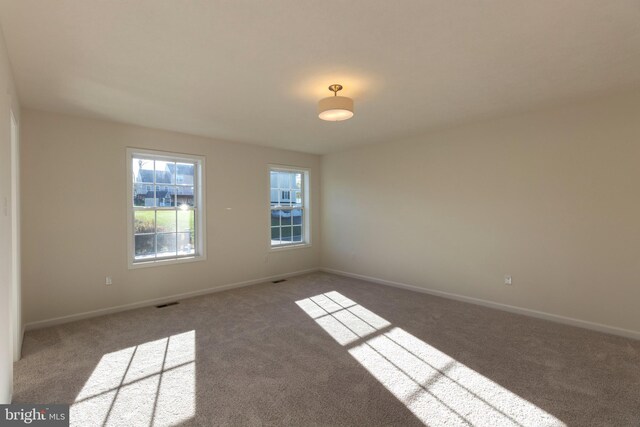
<point>289,190</point>
<point>166,207</point>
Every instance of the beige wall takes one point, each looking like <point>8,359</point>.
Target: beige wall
<point>552,198</point>
<point>75,219</point>
<point>8,103</point>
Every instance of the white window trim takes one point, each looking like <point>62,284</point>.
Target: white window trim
<point>307,207</point>
<point>201,217</point>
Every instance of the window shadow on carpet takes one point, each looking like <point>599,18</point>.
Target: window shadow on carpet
<point>436,388</point>
<point>150,384</point>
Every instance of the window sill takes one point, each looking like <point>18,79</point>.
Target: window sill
<point>289,247</point>
<point>145,264</point>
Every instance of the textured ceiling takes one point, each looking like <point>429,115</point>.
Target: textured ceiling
<point>253,71</point>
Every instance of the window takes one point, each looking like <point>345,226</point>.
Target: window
<point>166,207</point>
<point>289,188</point>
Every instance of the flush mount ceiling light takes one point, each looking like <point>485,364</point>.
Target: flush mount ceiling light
<point>335,108</point>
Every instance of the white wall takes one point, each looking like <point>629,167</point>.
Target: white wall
<point>552,198</point>
<point>74,216</point>
<point>8,103</point>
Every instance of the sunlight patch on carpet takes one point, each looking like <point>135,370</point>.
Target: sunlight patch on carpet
<point>151,384</point>
<point>436,388</point>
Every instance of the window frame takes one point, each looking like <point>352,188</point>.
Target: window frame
<point>306,207</point>
<point>200,205</point>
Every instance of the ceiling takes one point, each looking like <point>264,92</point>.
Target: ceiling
<point>253,71</point>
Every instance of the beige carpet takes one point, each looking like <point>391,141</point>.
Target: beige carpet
<point>326,350</point>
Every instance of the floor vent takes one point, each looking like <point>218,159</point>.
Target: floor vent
<point>279,281</point>
<point>167,304</point>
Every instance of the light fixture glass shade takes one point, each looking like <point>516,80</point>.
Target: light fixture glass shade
<point>335,108</point>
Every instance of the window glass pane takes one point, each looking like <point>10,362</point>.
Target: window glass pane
<point>285,217</point>
<point>166,188</point>
<point>285,179</point>
<point>286,233</point>
<point>287,190</point>
<point>185,196</point>
<point>145,246</point>
<point>166,221</point>
<point>275,217</point>
<point>284,186</point>
<point>142,170</point>
<point>166,244</point>
<point>165,195</point>
<point>142,195</point>
<point>186,244</point>
<point>297,233</point>
<point>296,216</point>
<point>186,220</point>
<point>185,173</point>
<point>165,172</point>
<point>285,197</point>
<point>144,222</point>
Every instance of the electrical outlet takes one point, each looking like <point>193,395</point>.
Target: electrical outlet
<point>108,281</point>
<point>507,280</point>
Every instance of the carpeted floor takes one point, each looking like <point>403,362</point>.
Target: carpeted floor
<point>326,350</point>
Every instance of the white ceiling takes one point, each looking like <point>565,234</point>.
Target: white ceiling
<point>253,71</point>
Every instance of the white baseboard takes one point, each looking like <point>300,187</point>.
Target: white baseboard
<point>628,333</point>
<point>146,303</point>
